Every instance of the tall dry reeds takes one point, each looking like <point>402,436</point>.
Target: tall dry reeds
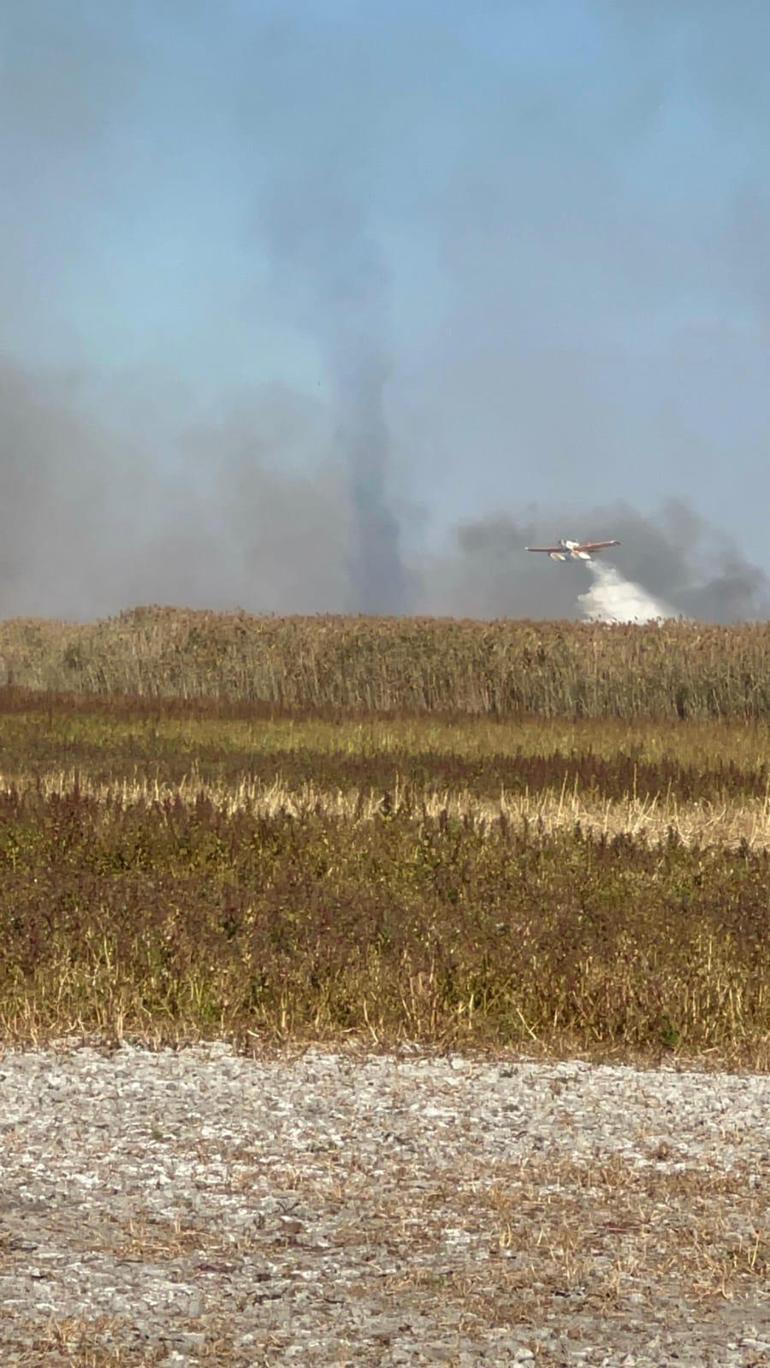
<point>675,670</point>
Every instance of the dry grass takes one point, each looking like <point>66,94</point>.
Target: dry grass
<point>609,1229</point>
<point>175,870</point>
<point>74,1342</point>
<point>79,1342</point>
<point>542,1244</point>
<point>743,825</point>
<point>174,919</point>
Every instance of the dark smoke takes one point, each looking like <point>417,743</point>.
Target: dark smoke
<point>675,555</point>
<point>580,275</point>
<point>325,257</point>
<point>378,576</point>
<point>258,511</point>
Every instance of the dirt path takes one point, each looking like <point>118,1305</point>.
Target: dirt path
<point>200,1207</point>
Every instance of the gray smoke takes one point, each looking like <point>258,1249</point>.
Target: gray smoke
<point>326,261</point>
<point>675,556</point>
<point>378,576</point>
<point>91,521</point>
<point>258,510</point>
<point>63,480</point>
<point>488,277</point>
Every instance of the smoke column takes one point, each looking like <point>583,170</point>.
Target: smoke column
<point>612,598</point>
<point>378,580</point>
<point>323,254</point>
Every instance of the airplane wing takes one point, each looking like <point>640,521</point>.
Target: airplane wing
<point>596,546</point>
<point>548,549</point>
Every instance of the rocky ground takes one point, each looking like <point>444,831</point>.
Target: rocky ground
<point>203,1207</point>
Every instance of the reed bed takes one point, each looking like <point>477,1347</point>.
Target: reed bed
<point>672,670</point>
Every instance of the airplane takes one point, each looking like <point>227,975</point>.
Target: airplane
<point>564,549</point>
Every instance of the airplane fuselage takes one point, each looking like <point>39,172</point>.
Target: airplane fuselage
<point>564,549</point>
<point>569,550</point>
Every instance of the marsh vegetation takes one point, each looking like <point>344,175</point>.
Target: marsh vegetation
<point>206,863</point>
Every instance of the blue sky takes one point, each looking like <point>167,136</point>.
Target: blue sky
<point>547,220</point>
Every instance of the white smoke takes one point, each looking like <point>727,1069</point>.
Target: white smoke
<point>612,598</point>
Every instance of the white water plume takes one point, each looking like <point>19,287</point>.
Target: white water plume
<point>612,598</point>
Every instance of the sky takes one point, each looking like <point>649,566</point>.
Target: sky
<point>335,305</point>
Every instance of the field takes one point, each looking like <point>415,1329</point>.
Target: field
<point>404,889</point>
<point>302,864</point>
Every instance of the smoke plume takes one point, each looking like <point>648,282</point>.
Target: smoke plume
<point>327,261</point>
<point>670,564</point>
<point>378,576</point>
<point>281,280</point>
<point>258,509</point>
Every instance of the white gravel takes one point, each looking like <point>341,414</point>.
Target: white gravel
<point>198,1206</point>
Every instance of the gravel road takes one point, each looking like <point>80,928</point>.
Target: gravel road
<point>197,1206</point>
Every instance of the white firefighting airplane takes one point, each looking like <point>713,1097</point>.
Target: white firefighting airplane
<point>563,549</point>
